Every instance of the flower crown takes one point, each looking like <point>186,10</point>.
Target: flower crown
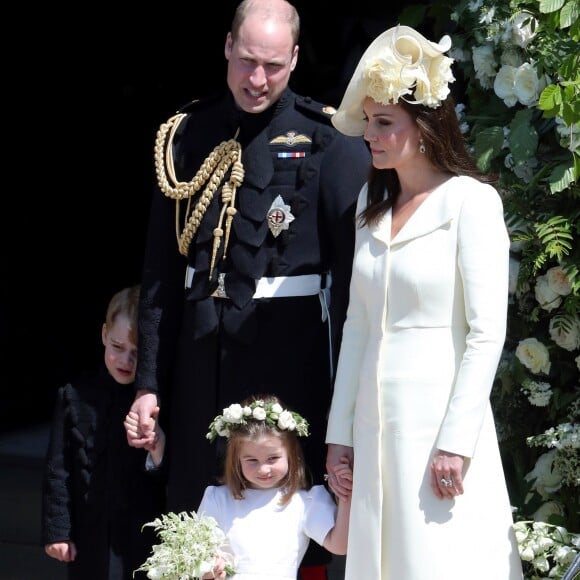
<point>273,414</point>
<point>404,68</point>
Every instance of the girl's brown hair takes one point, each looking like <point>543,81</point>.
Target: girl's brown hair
<point>233,477</point>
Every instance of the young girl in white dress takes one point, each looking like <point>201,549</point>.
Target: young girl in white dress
<point>265,507</point>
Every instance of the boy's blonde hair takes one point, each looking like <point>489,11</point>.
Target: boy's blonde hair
<point>126,302</point>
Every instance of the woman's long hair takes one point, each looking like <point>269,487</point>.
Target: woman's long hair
<point>444,146</point>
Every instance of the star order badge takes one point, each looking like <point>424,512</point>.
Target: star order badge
<point>279,216</point>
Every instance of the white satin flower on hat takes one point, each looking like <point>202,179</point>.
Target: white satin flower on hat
<point>405,67</point>
<point>399,64</point>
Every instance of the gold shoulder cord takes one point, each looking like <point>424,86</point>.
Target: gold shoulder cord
<point>212,171</point>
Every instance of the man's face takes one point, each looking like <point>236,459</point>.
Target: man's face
<point>260,62</point>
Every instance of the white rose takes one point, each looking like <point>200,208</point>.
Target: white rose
<point>527,84</point>
<point>524,26</point>
<point>259,413</point>
<point>548,509</point>
<point>558,281</point>
<point>534,355</point>
<point>566,336</point>
<point>277,408</point>
<point>527,554</point>
<point>247,411</point>
<point>222,428</point>
<point>234,413</point>
<point>545,477</point>
<point>547,298</point>
<point>504,85</point>
<point>286,421</point>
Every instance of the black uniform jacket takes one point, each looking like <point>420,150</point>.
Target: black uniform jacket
<point>202,353</point>
<point>96,490</point>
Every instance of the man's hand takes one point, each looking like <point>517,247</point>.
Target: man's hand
<point>146,408</point>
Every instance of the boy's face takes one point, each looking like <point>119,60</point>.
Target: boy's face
<point>120,352</point>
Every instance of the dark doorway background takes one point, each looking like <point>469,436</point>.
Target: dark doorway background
<point>86,90</point>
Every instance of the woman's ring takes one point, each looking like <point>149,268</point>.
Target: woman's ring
<point>446,482</point>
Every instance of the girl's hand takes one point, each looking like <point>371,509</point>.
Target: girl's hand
<point>340,486</point>
<point>219,570</point>
<point>343,475</point>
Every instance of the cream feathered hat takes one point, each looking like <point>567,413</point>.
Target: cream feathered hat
<point>399,64</point>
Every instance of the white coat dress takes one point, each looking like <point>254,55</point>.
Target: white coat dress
<point>422,340</point>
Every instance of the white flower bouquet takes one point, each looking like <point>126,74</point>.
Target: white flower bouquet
<point>190,545</point>
<point>546,550</point>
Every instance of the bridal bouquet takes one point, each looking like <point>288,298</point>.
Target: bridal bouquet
<point>190,544</point>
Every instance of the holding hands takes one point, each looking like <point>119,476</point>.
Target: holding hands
<point>339,461</point>
<point>146,410</point>
<point>134,429</point>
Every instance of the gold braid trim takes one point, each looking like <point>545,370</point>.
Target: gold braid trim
<point>212,172</point>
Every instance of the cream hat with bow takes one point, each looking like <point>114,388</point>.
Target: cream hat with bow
<point>399,64</point>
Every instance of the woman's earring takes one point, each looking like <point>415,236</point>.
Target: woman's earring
<point>421,146</point>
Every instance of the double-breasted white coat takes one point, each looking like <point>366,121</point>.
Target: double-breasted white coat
<point>422,340</point>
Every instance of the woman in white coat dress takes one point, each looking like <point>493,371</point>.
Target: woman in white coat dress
<point>424,332</point>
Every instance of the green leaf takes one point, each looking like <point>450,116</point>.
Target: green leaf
<point>547,6</point>
<point>551,100</point>
<point>523,137</point>
<point>488,146</point>
<point>562,177</point>
<point>569,13</point>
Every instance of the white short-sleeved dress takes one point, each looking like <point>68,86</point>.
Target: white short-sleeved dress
<point>269,540</point>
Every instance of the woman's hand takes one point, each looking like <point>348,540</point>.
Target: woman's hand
<point>336,457</point>
<point>447,474</point>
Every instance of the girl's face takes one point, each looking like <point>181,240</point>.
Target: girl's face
<point>120,352</point>
<point>264,461</point>
<point>392,134</point>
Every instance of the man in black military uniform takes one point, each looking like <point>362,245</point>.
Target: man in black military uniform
<point>249,251</point>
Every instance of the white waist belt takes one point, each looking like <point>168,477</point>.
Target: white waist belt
<point>286,286</point>
<point>275,287</point>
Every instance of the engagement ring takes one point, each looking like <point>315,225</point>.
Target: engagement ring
<point>446,482</point>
